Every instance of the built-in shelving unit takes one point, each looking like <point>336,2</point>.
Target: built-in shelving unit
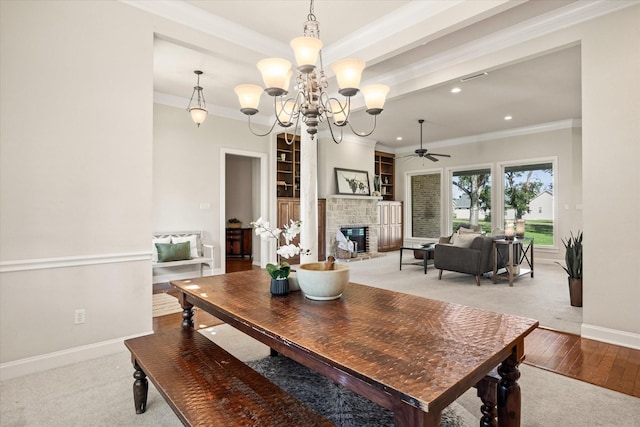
<point>384,168</point>
<point>288,166</point>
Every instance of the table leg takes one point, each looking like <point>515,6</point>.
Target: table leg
<point>400,258</point>
<point>407,415</point>
<point>187,311</point>
<point>140,389</point>
<point>509,399</point>
<point>425,255</point>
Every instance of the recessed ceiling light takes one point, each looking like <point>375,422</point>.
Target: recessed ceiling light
<point>508,117</point>
<point>399,138</point>
<point>456,90</point>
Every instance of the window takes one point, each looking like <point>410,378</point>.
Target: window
<point>471,198</point>
<point>425,205</point>
<point>528,194</point>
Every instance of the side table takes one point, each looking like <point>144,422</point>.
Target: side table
<point>518,250</point>
<point>427,253</point>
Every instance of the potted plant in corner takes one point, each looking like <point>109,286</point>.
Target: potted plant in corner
<point>573,261</point>
<point>280,272</point>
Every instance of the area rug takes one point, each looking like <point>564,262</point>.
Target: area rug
<point>335,402</point>
<point>164,304</point>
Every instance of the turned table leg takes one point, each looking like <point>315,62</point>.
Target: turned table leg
<point>509,393</point>
<point>187,311</point>
<point>487,392</point>
<point>140,389</point>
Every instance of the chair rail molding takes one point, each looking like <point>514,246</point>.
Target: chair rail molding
<point>72,261</point>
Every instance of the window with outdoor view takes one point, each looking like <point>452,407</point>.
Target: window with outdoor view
<point>529,195</point>
<point>471,198</point>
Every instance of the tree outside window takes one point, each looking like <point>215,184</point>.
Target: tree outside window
<point>471,190</point>
<point>528,195</point>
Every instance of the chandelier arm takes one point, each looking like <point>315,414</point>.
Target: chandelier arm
<point>261,134</point>
<point>337,141</point>
<point>362,135</point>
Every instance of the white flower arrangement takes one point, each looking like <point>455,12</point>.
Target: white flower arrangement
<point>287,250</point>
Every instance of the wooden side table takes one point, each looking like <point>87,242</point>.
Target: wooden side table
<point>518,250</point>
<point>239,242</point>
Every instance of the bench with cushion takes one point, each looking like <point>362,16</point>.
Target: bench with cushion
<point>170,250</point>
<point>205,385</point>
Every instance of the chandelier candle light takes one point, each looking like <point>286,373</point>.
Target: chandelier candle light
<point>199,110</point>
<point>311,102</point>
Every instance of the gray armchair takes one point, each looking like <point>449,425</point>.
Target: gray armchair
<point>476,259</point>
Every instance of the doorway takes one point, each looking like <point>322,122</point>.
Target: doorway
<point>243,178</point>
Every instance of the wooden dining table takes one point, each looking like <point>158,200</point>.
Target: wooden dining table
<point>412,355</point>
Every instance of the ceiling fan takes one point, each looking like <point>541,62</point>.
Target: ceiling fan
<point>423,152</point>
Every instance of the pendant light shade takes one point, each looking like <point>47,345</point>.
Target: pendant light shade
<point>374,97</point>
<point>276,74</point>
<point>249,97</point>
<point>306,50</point>
<point>198,109</point>
<point>348,73</point>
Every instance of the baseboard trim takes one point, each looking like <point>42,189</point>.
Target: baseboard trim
<point>44,362</point>
<point>611,336</point>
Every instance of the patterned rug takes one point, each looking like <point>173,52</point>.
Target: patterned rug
<point>341,406</point>
<point>164,304</point>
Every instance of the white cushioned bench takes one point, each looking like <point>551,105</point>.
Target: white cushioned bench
<point>200,254</point>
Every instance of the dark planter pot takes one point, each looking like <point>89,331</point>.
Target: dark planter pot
<point>280,287</point>
<point>575,292</point>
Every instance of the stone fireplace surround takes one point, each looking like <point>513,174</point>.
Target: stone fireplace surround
<point>352,211</point>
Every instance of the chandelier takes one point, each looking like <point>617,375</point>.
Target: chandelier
<point>199,109</point>
<point>311,102</point>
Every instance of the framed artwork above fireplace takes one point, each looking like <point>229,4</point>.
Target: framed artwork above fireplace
<point>353,182</point>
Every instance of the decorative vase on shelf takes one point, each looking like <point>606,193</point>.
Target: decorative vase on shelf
<point>280,286</point>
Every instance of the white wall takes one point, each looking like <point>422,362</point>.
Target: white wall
<point>352,153</point>
<point>76,107</point>
<point>611,150</point>
<point>186,171</point>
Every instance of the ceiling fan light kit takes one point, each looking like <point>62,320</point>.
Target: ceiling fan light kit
<point>311,102</point>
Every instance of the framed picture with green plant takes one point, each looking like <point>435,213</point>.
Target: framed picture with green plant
<point>353,182</point>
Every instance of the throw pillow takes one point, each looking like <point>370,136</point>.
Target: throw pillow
<point>463,230</point>
<point>173,252</point>
<point>193,243</point>
<point>154,250</point>
<point>464,240</point>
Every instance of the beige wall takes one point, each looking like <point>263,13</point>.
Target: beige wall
<point>76,107</point>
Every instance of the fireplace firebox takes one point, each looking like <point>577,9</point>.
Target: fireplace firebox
<point>358,234</point>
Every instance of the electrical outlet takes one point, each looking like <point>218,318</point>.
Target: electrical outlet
<point>79,316</point>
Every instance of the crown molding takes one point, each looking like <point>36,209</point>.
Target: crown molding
<point>213,25</point>
<point>489,136</point>
<point>550,22</point>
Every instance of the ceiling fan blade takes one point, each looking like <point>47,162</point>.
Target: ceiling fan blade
<point>441,155</point>
<point>408,155</point>
<point>430,157</point>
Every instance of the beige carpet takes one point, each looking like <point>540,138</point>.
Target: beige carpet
<point>164,304</point>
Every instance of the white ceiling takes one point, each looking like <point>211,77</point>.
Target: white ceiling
<point>402,42</point>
